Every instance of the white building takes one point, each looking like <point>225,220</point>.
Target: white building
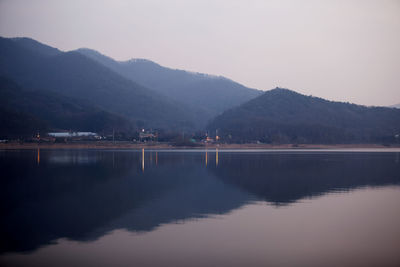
<point>72,134</point>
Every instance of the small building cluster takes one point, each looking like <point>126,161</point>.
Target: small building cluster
<point>147,136</point>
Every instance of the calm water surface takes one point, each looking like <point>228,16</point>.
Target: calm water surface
<point>199,208</point>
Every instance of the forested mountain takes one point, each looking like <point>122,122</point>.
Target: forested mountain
<point>36,111</point>
<point>284,116</point>
<point>210,94</point>
<point>38,67</point>
<point>15,124</point>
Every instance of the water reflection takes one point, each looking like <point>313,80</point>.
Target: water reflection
<point>83,195</point>
<point>286,178</point>
<point>216,157</point>
<point>38,156</point>
<point>142,159</point>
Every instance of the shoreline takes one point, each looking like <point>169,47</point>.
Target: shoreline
<point>127,145</point>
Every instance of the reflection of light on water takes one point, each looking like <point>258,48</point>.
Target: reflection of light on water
<point>216,157</point>
<point>142,159</point>
<point>38,156</point>
<point>206,158</point>
<point>80,158</point>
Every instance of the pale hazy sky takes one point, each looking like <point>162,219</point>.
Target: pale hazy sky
<point>346,50</point>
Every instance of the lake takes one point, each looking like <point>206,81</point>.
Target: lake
<point>200,208</point>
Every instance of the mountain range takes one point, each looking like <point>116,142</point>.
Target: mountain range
<point>43,88</point>
<point>209,94</point>
<point>73,75</point>
<point>36,67</point>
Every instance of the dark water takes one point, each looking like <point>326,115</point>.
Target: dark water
<point>198,208</point>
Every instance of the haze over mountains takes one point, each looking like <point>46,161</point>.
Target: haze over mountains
<point>43,88</point>
<point>209,94</point>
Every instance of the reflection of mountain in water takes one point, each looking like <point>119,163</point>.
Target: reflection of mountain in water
<point>285,178</point>
<point>82,195</point>
<point>85,199</point>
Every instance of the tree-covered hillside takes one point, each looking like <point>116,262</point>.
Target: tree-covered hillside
<point>16,124</point>
<point>284,116</point>
<point>26,112</point>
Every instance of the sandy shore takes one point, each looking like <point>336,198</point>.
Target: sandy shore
<point>127,145</point>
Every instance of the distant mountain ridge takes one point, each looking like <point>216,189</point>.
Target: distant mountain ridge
<point>39,67</point>
<point>284,116</point>
<point>209,94</point>
<point>36,46</point>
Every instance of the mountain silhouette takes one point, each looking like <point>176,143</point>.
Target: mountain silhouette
<point>209,94</point>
